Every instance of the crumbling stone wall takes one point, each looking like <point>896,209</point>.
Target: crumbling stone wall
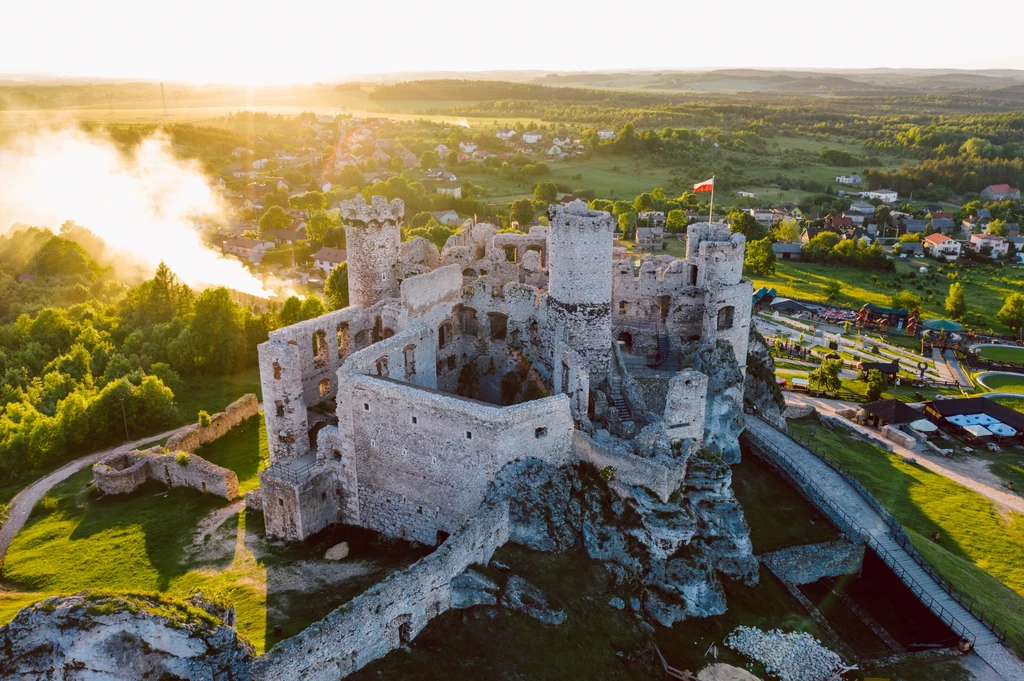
<point>389,614</point>
<point>124,472</point>
<point>632,470</point>
<point>194,436</point>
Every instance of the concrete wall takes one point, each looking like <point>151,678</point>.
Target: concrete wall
<point>424,460</point>
<point>194,436</point>
<point>123,473</point>
<point>390,613</point>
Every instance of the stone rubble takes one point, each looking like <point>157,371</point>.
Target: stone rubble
<point>794,656</point>
<point>521,596</point>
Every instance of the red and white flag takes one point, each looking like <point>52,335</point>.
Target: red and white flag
<point>705,186</point>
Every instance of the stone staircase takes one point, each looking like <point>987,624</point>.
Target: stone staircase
<point>618,402</point>
<point>663,346</point>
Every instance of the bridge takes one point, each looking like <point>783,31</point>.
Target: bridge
<point>861,516</point>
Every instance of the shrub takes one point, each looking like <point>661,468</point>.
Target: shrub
<point>608,473</point>
<point>204,418</point>
<point>182,458</point>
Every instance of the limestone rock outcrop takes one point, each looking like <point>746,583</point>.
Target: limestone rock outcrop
<point>723,421</point>
<point>760,390</point>
<point>92,635</point>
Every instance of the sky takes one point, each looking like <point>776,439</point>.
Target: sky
<point>255,41</point>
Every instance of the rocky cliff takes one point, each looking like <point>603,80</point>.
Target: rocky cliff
<point>94,636</point>
<point>723,422</point>
<point>761,392</point>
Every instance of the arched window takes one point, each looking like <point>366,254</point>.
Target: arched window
<point>362,339</point>
<point>382,366</point>
<point>320,348</point>
<point>344,340</point>
<point>725,317</point>
<point>444,334</point>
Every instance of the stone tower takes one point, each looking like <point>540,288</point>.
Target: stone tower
<point>580,284</point>
<point>374,238</point>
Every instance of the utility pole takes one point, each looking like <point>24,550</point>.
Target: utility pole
<point>125,418</point>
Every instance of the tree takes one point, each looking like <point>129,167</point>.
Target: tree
<point>521,211</point>
<point>351,177</point>
<point>318,226</point>
<point>336,287</point>
<point>627,223</point>
<point>1012,312</point>
<point>998,227</point>
<point>311,202</point>
<point>312,307</point>
<point>905,300</point>
<point>546,192</point>
<point>275,218</point>
<point>956,305</point>
<point>832,289</point>
<point>675,221</point>
<point>788,231</point>
<point>826,376</point>
<point>876,385</point>
<point>290,311</point>
<point>760,258</point>
<point>429,159</point>
<point>218,332</point>
<point>745,224</point>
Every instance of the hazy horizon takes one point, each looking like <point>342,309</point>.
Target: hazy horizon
<point>233,43</point>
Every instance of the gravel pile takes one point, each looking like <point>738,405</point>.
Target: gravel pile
<point>789,656</point>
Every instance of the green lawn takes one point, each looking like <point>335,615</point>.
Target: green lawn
<point>1003,383</point>
<point>985,287</point>
<point>1002,354</point>
<point>243,450</point>
<point>980,547</point>
<point>214,393</point>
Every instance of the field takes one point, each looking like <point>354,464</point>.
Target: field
<point>1004,383</point>
<point>979,547</point>
<point>174,540</point>
<point>985,287</point>
<point>1002,354</point>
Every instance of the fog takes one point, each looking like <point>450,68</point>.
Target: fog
<point>143,203</point>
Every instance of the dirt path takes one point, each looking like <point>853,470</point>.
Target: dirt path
<point>23,502</point>
<point>972,474</point>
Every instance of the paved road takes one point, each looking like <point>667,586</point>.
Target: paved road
<point>954,366</point>
<point>846,497</point>
<point>26,499</point>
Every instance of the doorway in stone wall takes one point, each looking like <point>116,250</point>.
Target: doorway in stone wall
<point>399,631</point>
<point>442,537</point>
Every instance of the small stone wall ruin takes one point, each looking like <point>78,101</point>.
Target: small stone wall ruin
<point>391,613</point>
<point>124,472</point>
<point>194,436</point>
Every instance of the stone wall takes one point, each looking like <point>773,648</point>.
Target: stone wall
<point>629,469</point>
<point>194,436</point>
<point>810,562</point>
<point>389,614</point>
<point>424,460</point>
<point>122,473</point>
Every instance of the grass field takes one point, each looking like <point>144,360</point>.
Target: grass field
<point>235,451</point>
<point>985,287</point>
<point>1002,354</point>
<point>1004,383</point>
<point>980,546</point>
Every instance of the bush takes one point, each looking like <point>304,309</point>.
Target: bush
<point>204,418</point>
<point>182,458</point>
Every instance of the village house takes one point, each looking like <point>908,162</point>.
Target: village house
<point>562,142</point>
<point>480,155</point>
<point>445,217</point>
<point>441,151</point>
<point>467,147</point>
<point>260,164</point>
<point>326,259</point>
<point>441,175</point>
<point>883,195</point>
<point>238,152</point>
<point>943,224</point>
<point>746,195</point>
<point>283,236</point>
<point>837,224</point>
<point>252,250</point>
<point>555,151</point>
<point>913,226</point>
<point>996,245</point>
<point>505,135</point>
<point>649,218</point>
<point>784,251</point>
<point>239,173</point>
<point>531,137</point>
<point>606,134</point>
<point>450,189</point>
<point>848,179</point>
<point>763,215</point>
<point>380,156</point>
<point>346,159</point>
<point>650,238</point>
<point>941,247</point>
<point>1001,192</point>
<point>911,249</point>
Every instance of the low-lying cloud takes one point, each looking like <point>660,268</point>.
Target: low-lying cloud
<point>143,203</point>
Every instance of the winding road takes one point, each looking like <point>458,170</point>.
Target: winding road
<point>23,502</point>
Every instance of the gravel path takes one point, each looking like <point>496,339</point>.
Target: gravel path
<point>23,502</point>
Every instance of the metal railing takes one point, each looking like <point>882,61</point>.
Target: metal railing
<point>289,472</point>
<point>895,532</point>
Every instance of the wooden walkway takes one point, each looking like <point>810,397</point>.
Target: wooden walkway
<point>853,508</point>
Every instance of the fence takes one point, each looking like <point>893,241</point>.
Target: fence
<point>896,532</point>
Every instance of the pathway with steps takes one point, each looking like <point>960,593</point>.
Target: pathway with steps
<point>816,476</point>
<point>618,402</point>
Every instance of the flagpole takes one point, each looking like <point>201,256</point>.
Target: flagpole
<point>711,208</point>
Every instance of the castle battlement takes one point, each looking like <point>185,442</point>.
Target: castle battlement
<point>379,210</point>
<point>577,215</point>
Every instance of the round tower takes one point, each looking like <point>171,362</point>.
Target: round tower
<point>373,235</point>
<point>580,283</point>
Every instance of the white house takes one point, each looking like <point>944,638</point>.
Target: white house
<point>746,195</point>
<point>252,250</point>
<point>505,135</point>
<point>260,164</point>
<point>532,137</point>
<point>998,244</point>
<point>763,215</point>
<point>450,188</point>
<point>445,217</point>
<point>480,155</point>
<point>562,141</point>
<point>467,147</point>
<point>941,247</point>
<point>883,195</point>
<point>326,259</point>
<point>606,134</point>
<point>441,151</point>
<point>848,179</point>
